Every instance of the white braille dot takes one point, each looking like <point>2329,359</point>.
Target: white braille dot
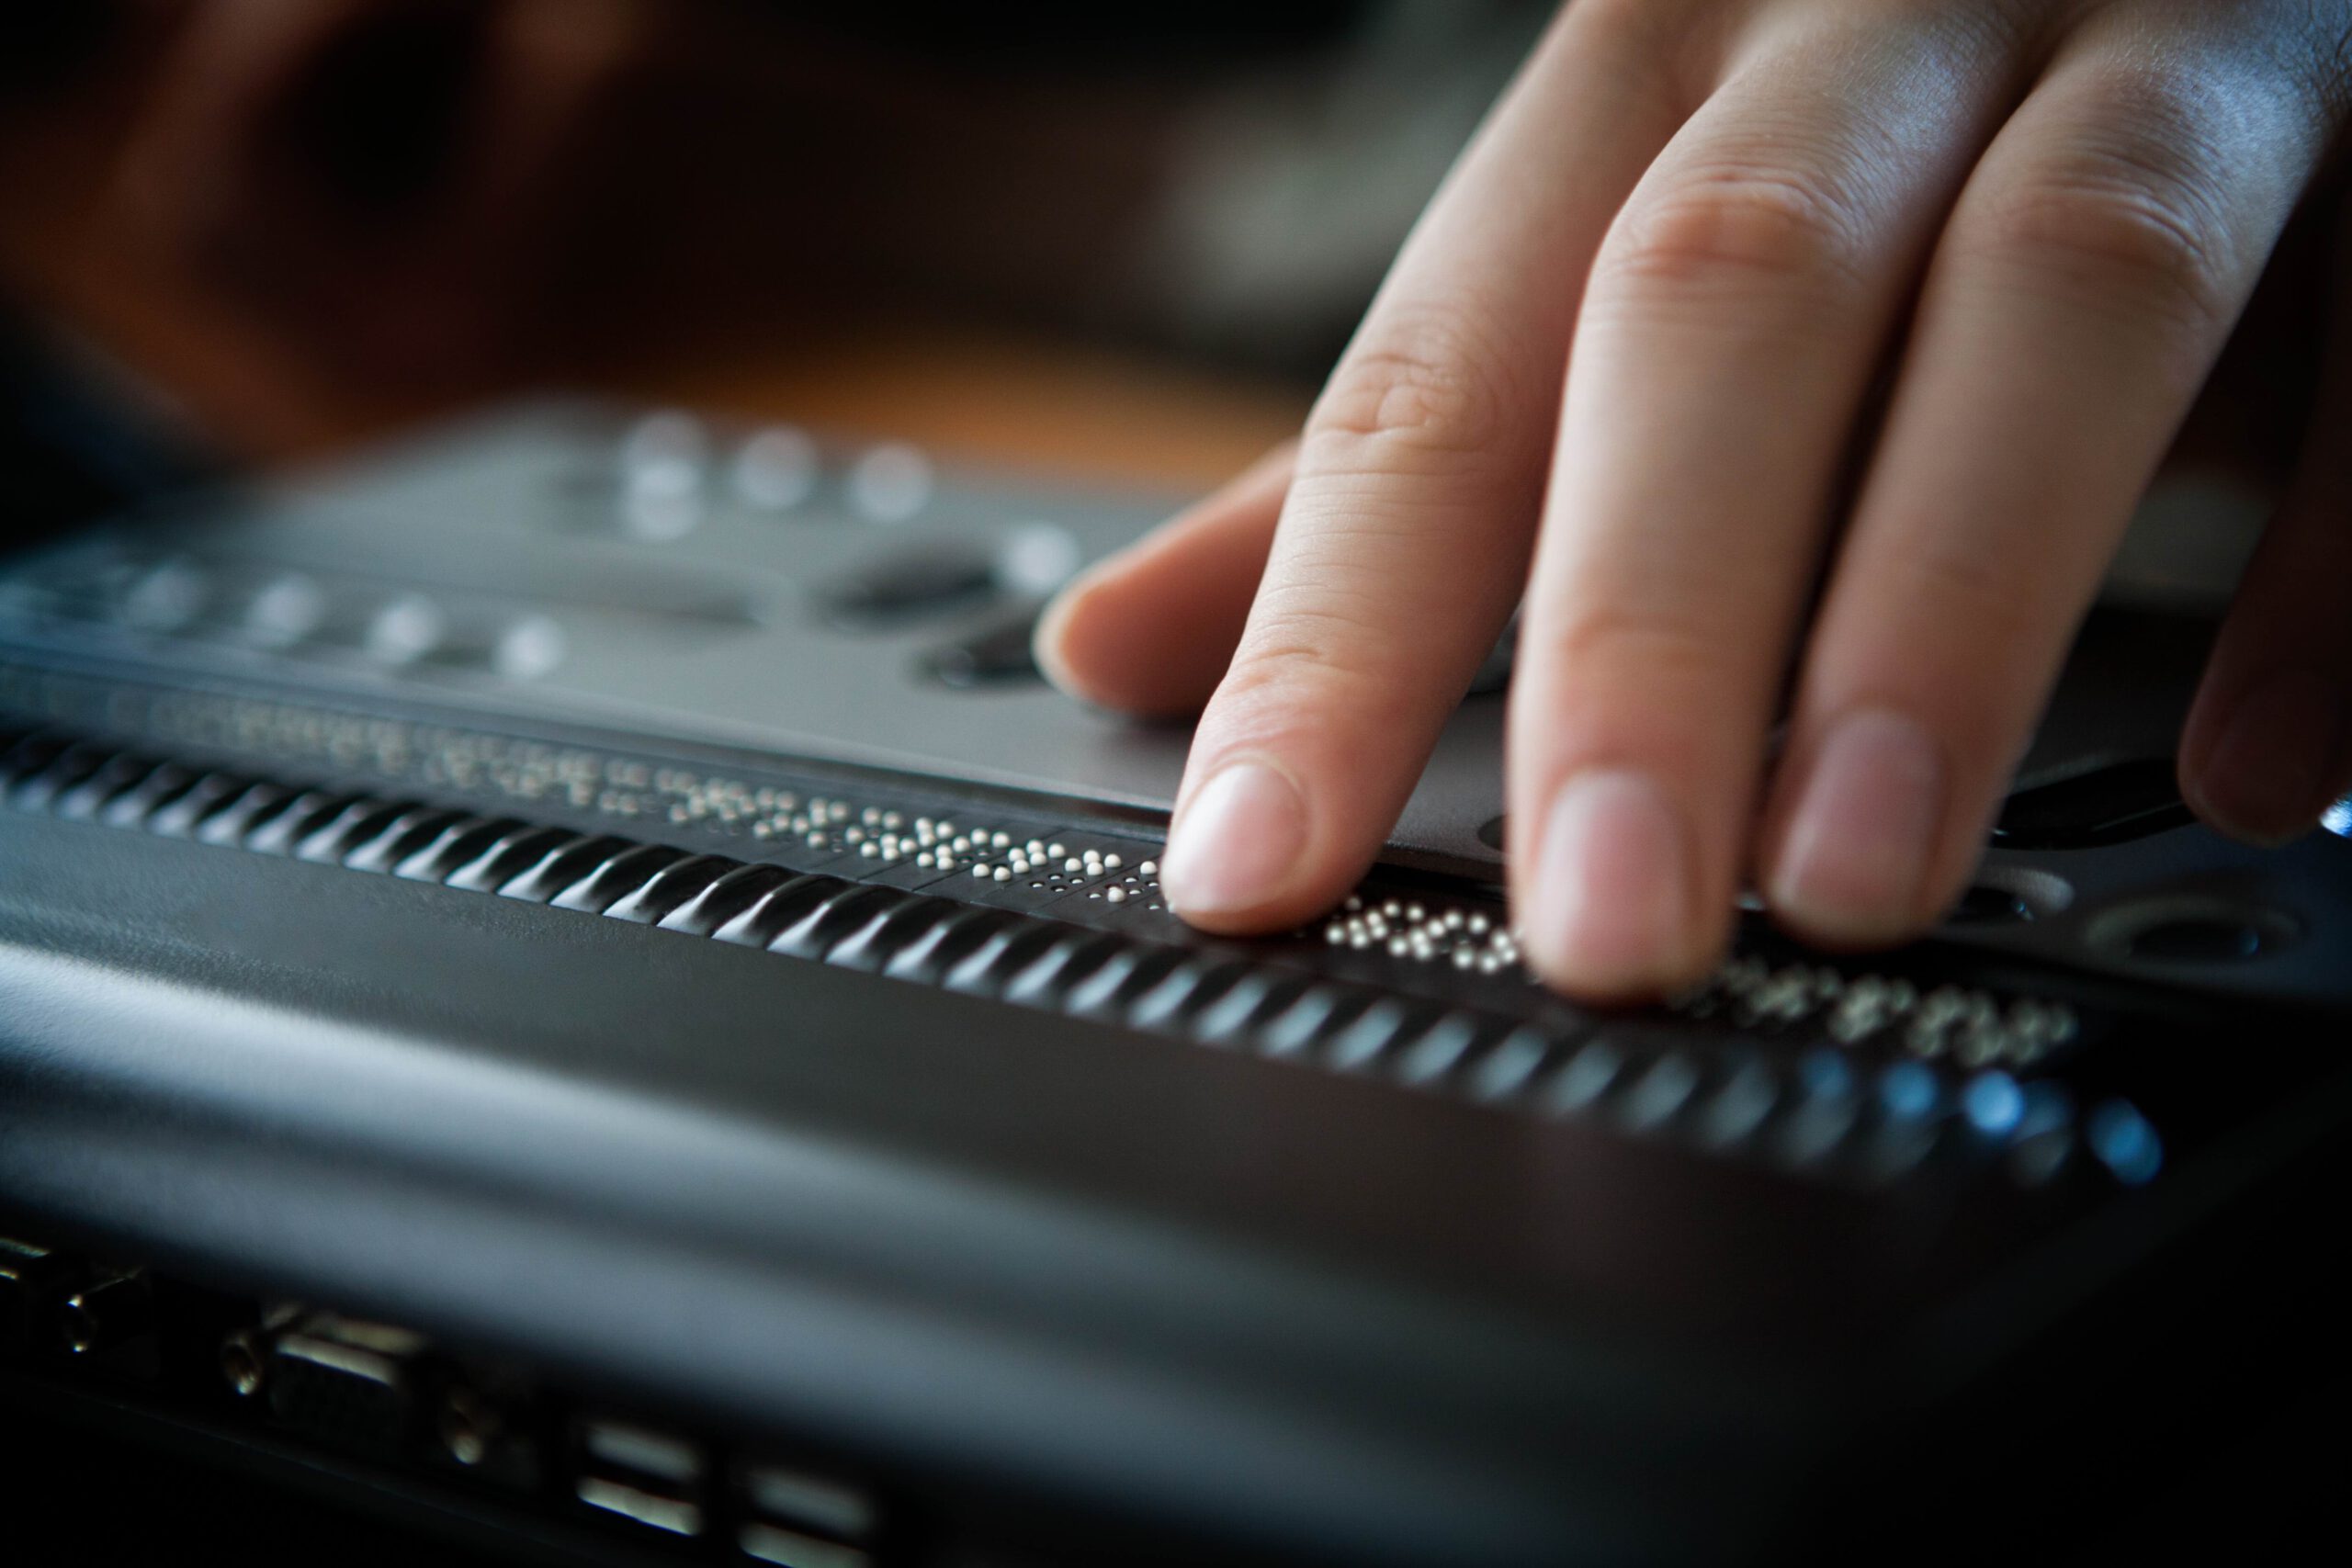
<point>1149,868</point>
<point>1002,875</point>
<point>981,872</point>
<point>1113,861</point>
<point>1116,896</point>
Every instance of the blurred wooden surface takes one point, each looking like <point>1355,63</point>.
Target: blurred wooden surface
<point>1026,402</point>
<point>995,394</point>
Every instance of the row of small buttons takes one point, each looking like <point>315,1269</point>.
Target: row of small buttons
<point>1820,1111</point>
<point>670,472</point>
<point>283,610</point>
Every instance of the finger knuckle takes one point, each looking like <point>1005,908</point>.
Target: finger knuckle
<point>1736,226</point>
<point>1320,658</point>
<point>1655,648</point>
<point>1425,382</point>
<point>2130,215</point>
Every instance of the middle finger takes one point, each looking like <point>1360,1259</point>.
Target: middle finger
<point>1728,339</point>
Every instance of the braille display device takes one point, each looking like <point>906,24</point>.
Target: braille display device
<point>570,982</point>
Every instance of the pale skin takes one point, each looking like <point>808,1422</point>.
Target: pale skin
<point>1704,258</point>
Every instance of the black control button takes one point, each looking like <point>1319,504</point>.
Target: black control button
<point>400,838</point>
<point>670,887</point>
<point>835,920</point>
<point>615,879</point>
<point>559,866</point>
<point>1003,956</point>
<point>1266,993</point>
<point>943,576</point>
<point>197,805</point>
<point>276,828</point>
<point>456,846</point>
<point>506,858</point>
<point>1067,964</point>
<point>1001,655</point>
<point>1987,905</point>
<point>947,946</point>
<point>2192,928</point>
<point>356,824</point>
<point>2199,940</point>
<point>81,802</point>
<point>1369,1037</point>
<point>726,898</point>
<point>69,768</point>
<point>779,909</point>
<point>159,789</point>
<point>2114,805</point>
<point>902,924</point>
<point>1317,1014</point>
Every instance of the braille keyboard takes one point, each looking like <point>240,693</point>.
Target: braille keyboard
<point>717,756</point>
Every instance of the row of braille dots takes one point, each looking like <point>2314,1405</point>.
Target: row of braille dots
<point>1970,1026</point>
<point>1053,867</point>
<point>932,842</point>
<point>817,824</point>
<point>1425,933</point>
<point>1140,887</point>
<point>615,786</point>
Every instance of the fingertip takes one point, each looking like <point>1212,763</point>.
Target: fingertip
<point>1061,629</point>
<point>1240,857</point>
<point>1109,639</point>
<point>1860,819</point>
<point>1610,913</point>
<point>2260,768</point>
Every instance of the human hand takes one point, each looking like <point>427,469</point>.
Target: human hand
<point>1914,293</point>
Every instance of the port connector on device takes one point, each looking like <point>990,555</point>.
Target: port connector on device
<point>109,1312</point>
<point>636,1473</point>
<point>33,1281</point>
<point>491,1425</point>
<point>392,1401</point>
<point>798,1520</point>
<point>343,1381</point>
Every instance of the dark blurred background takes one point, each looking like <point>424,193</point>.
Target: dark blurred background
<point>1124,240</point>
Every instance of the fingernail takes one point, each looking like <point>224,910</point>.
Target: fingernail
<point>1858,844</point>
<point>2266,775</point>
<point>1236,841</point>
<point>1610,907</point>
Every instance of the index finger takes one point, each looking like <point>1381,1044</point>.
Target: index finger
<point>1403,541</point>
